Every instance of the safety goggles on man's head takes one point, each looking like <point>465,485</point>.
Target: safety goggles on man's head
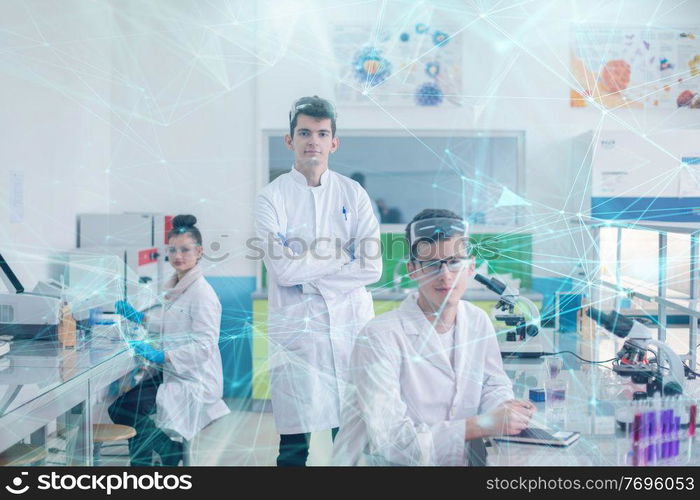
<point>437,228</point>
<point>299,105</point>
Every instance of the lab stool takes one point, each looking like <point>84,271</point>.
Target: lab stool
<point>23,454</point>
<point>104,433</point>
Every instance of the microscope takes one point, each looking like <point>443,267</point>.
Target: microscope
<point>524,336</point>
<point>664,373</point>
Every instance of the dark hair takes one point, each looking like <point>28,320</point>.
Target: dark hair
<point>312,106</point>
<point>185,224</point>
<point>428,213</point>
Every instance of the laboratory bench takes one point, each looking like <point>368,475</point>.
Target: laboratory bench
<point>42,384</point>
<point>589,408</point>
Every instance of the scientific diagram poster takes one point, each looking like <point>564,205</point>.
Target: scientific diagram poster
<point>417,64</point>
<point>636,67</point>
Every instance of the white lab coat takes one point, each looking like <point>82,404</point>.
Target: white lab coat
<point>317,300</point>
<point>407,405</point>
<point>190,396</point>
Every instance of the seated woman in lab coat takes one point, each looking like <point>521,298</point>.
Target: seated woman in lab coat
<point>428,377</point>
<point>185,393</point>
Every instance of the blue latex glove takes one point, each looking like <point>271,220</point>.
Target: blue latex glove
<point>147,351</point>
<point>127,310</point>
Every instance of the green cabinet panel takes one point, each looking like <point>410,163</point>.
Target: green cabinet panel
<point>382,306</point>
<point>261,375</point>
<point>260,329</point>
<point>394,253</point>
<point>505,253</point>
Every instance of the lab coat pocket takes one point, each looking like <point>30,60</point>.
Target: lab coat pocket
<point>291,339</point>
<point>343,223</point>
<point>294,341</point>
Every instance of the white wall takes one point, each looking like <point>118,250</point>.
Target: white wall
<point>184,121</point>
<point>127,106</point>
<point>55,123</point>
<point>159,105</point>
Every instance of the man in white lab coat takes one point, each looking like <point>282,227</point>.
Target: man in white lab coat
<point>428,377</point>
<point>322,247</point>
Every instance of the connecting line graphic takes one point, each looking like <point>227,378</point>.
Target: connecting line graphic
<point>205,57</point>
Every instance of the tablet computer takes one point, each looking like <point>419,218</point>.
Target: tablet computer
<point>533,435</point>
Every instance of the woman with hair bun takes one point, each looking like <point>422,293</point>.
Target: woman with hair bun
<point>185,393</point>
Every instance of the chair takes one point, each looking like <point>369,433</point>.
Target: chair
<point>106,433</point>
